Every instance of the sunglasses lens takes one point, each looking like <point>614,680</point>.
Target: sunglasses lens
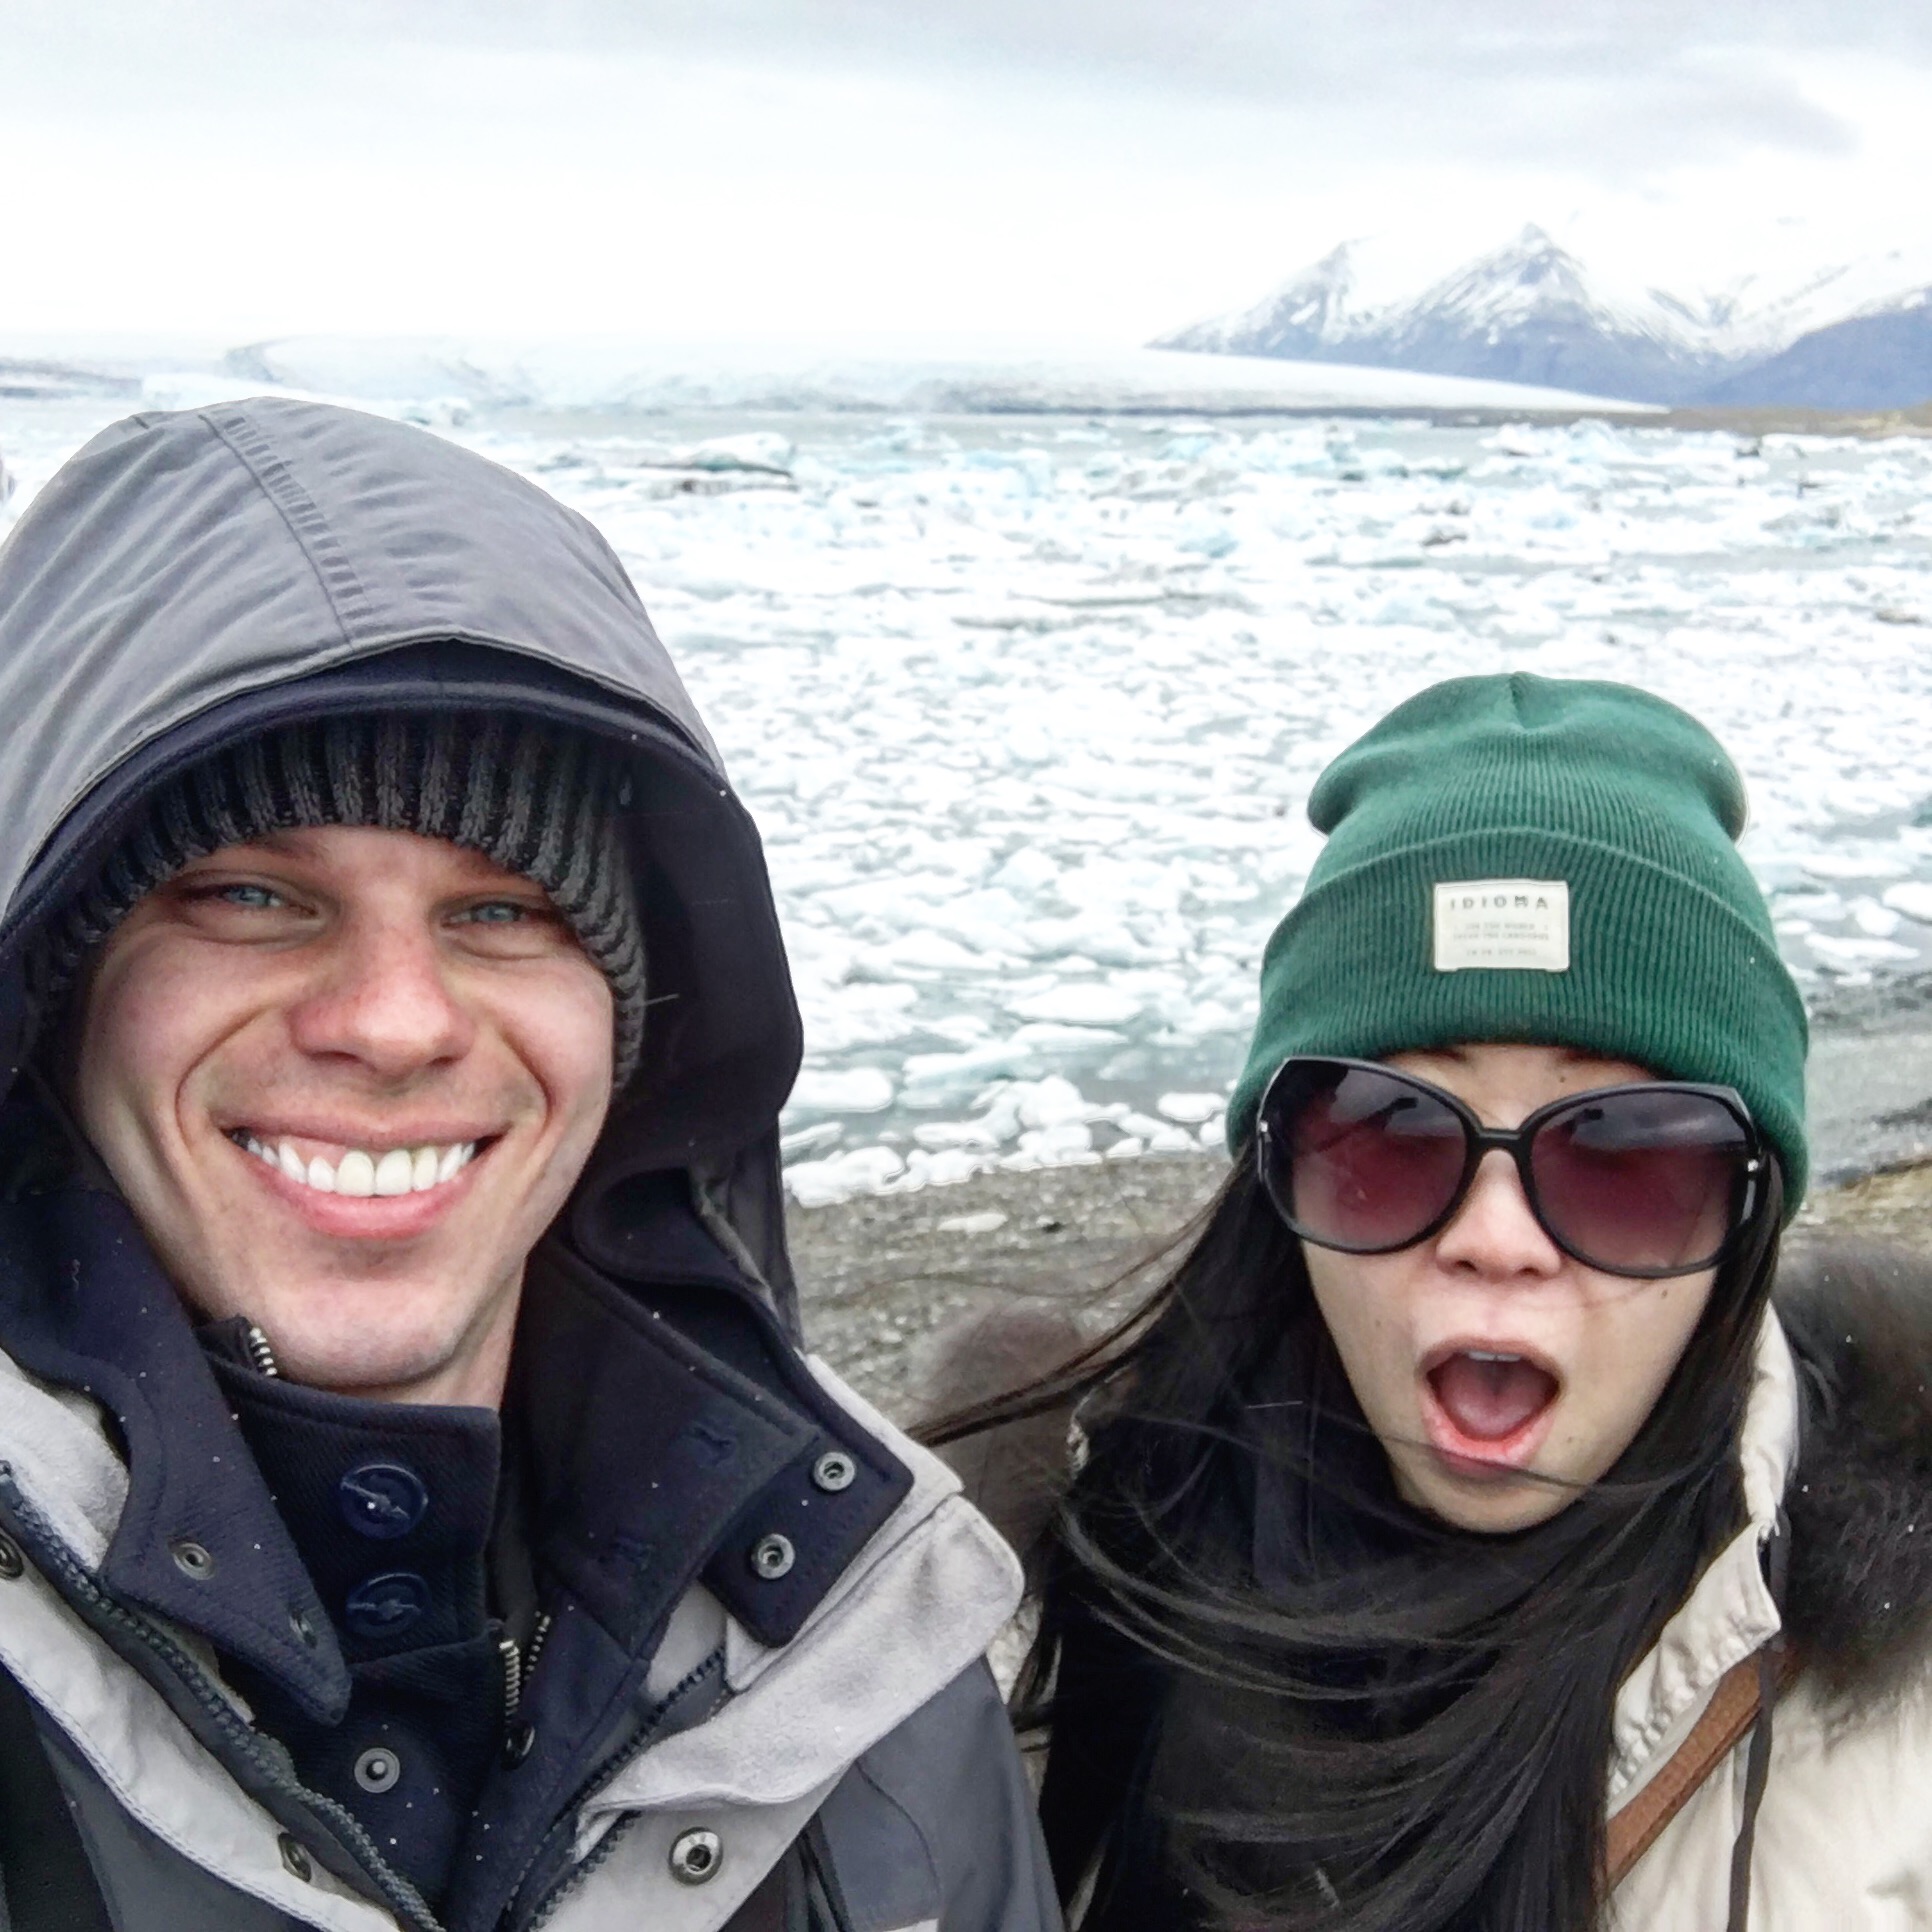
<point>1359,1159</point>
<point>1645,1182</point>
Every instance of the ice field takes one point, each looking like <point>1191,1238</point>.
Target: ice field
<point>1027,707</point>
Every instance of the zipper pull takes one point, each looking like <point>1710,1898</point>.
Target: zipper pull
<point>260,1353</point>
<point>506,1648</point>
<point>530,1656</point>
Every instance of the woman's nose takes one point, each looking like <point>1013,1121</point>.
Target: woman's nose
<point>1494,1232</point>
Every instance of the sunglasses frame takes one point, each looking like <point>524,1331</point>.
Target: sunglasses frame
<point>1480,1141</point>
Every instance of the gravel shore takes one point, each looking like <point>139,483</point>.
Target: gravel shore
<point>883,1274</point>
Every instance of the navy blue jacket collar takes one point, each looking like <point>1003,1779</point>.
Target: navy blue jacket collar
<point>673,1429</point>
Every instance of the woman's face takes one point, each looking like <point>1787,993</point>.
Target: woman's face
<point>1485,1356</point>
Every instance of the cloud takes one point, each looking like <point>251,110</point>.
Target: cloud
<point>1003,165</point>
<point>1590,83</point>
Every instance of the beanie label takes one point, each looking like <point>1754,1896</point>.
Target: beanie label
<point>1511,924</point>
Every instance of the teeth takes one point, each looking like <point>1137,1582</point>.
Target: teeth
<point>1487,1355</point>
<point>395,1171</point>
<point>360,1174</point>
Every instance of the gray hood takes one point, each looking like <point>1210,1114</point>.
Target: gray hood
<point>195,577</point>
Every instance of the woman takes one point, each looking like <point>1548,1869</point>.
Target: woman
<point>1462,1540</point>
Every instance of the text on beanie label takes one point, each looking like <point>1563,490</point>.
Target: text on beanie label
<point>1520,924</point>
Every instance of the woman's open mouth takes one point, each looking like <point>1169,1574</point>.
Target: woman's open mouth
<point>1487,1409</point>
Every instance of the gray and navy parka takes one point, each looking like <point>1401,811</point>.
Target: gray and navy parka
<point>688,1637</point>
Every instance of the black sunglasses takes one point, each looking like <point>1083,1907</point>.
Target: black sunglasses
<point>1653,1179</point>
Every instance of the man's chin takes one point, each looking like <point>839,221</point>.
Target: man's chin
<point>369,1342</point>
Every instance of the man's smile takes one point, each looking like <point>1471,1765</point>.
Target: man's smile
<point>334,1167</point>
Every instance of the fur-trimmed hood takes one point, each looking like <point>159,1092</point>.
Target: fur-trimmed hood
<point>1858,1602</point>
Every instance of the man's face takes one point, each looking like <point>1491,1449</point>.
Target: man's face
<point>346,1078</point>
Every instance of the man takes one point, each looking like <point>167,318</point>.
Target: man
<point>414,1507</point>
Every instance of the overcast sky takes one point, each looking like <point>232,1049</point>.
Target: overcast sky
<point>238,169</point>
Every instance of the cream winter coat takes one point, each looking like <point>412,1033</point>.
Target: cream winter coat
<point>1844,1834</point>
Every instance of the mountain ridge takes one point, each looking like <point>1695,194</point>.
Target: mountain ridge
<point>1530,311</point>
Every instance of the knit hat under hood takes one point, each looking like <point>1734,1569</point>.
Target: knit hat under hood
<point>1545,861</point>
<point>537,800</point>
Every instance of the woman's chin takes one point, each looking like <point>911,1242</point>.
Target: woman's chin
<point>1487,1498</point>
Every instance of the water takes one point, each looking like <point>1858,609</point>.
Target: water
<point>1027,708</point>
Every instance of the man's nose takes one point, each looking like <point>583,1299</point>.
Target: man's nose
<point>382,997</point>
<point>1494,1233</point>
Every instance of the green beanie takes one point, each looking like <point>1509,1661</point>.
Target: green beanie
<point>1546,861</point>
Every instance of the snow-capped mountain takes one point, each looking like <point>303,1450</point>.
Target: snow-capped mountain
<point>1858,335</point>
<point>1881,359</point>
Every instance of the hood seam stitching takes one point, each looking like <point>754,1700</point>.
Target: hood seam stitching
<point>299,511</point>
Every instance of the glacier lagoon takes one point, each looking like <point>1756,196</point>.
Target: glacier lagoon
<point>1027,707</point>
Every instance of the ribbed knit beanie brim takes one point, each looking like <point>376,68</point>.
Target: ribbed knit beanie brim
<point>1546,861</point>
<point>539,801</point>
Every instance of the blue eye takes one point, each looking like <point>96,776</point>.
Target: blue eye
<point>496,912</point>
<point>257,897</point>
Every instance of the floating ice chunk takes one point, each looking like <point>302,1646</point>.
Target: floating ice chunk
<point>855,1090</point>
<point>1214,1133</point>
<point>1028,870</point>
<point>1047,1037</point>
<point>1068,1143</point>
<point>1191,1109</point>
<point>1874,920</point>
<point>1857,953</point>
<point>1913,899</point>
<point>947,1168</point>
<point>865,1170</point>
<point>1054,1102</point>
<point>1210,543</point>
<point>1856,865</point>
<point>933,952</point>
<point>988,1221</point>
<point>1083,1003</point>
<point>935,1135</point>
<point>1169,1139</point>
<point>761,450</point>
<point>858,1015</point>
<point>1126,1147</point>
<point>1028,744</point>
<point>811,1140</point>
<point>1099,940</point>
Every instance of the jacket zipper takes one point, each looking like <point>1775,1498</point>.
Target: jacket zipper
<point>519,1665</point>
<point>97,1607</point>
<point>547,1907</point>
<point>260,1353</point>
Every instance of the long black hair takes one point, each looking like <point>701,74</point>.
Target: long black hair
<point>1278,1697</point>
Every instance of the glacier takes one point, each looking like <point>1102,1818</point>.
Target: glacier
<point>1027,707</point>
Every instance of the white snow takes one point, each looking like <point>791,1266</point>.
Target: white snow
<point>1385,286</point>
<point>1031,762</point>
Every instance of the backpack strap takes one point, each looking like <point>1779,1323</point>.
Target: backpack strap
<point>1727,1719</point>
<point>50,1885</point>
